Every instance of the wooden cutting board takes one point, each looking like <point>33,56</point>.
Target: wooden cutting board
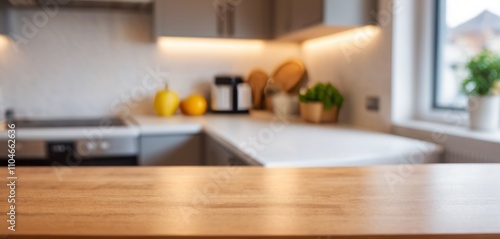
<point>289,75</point>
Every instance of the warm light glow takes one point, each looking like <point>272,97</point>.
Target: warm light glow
<point>210,45</point>
<point>356,37</point>
<point>4,41</point>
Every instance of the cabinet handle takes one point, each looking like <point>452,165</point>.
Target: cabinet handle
<point>220,26</point>
<point>220,15</point>
<point>225,13</point>
<point>230,18</point>
<point>288,17</point>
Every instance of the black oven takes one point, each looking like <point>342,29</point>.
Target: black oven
<point>97,142</point>
<point>109,152</point>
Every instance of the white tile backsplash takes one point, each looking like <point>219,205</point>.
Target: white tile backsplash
<point>86,63</point>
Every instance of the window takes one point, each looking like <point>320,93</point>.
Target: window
<point>464,28</point>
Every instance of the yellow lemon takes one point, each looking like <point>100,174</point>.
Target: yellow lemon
<point>194,105</point>
<point>166,102</point>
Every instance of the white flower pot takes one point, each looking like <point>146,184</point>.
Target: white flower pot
<point>484,113</point>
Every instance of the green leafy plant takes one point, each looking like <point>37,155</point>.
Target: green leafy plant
<point>325,93</point>
<point>484,74</point>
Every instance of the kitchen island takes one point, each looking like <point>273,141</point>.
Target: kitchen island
<point>405,201</point>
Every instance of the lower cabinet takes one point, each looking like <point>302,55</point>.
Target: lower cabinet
<point>218,155</point>
<point>171,150</point>
<point>185,150</point>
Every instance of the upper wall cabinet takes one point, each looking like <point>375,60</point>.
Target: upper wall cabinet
<point>245,19</point>
<point>299,20</point>
<point>3,17</point>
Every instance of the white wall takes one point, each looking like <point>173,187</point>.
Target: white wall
<point>94,62</point>
<point>359,63</point>
<point>406,45</point>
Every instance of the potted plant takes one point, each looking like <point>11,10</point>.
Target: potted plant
<point>483,88</point>
<point>321,103</point>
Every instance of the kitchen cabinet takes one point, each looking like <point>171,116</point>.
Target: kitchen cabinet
<point>299,20</point>
<point>218,155</point>
<point>171,150</point>
<point>213,18</point>
<point>3,17</point>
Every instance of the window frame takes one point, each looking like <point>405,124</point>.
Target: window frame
<point>438,31</point>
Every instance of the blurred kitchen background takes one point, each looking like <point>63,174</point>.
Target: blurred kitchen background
<point>394,68</point>
<point>87,58</point>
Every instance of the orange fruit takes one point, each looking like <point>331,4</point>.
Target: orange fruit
<point>194,105</point>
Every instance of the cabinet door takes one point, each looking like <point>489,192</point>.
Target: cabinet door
<point>171,150</point>
<point>252,19</point>
<point>299,20</point>
<point>186,18</point>
<point>281,17</point>
<point>217,155</point>
<point>3,17</point>
<point>305,13</point>
<point>246,19</point>
<point>350,13</point>
<point>294,15</point>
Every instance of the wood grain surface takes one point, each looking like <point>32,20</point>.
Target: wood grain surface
<point>404,201</point>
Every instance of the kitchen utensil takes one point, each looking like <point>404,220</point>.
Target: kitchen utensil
<point>285,104</point>
<point>270,91</point>
<point>289,75</point>
<point>230,94</point>
<point>258,81</point>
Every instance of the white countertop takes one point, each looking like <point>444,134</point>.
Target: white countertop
<point>72,133</point>
<point>269,141</point>
<point>272,142</point>
<point>153,125</point>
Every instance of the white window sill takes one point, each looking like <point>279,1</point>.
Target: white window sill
<point>451,130</point>
<point>461,144</point>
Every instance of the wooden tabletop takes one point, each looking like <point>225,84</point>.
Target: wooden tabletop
<point>405,201</point>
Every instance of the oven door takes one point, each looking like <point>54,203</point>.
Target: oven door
<point>108,152</point>
<point>73,162</point>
